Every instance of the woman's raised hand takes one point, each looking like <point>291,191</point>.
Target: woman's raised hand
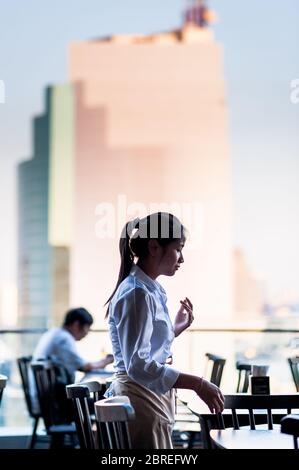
<point>184,317</point>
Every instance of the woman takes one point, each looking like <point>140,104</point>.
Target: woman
<point>142,333</point>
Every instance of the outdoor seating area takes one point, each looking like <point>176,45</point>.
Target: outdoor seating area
<point>149,274</point>
<point>77,415</point>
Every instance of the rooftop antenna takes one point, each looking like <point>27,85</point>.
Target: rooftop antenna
<point>197,13</point>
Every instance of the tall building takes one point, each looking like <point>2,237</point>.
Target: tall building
<point>33,247</point>
<point>151,127</point>
<point>8,305</point>
<point>250,295</point>
<point>44,182</point>
<point>141,126</point>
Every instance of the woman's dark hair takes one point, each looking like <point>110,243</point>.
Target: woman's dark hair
<point>78,314</point>
<point>161,226</point>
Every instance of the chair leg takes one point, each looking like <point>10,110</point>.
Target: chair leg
<point>193,436</point>
<point>191,440</point>
<point>33,436</point>
<point>74,440</point>
<point>57,441</point>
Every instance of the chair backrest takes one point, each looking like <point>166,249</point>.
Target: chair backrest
<point>24,368</point>
<point>244,370</point>
<point>3,381</point>
<point>258,402</point>
<point>290,425</point>
<point>218,364</point>
<point>113,415</point>
<point>294,366</point>
<point>81,395</point>
<point>51,379</point>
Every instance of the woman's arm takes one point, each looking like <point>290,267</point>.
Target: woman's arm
<point>207,391</point>
<point>133,317</point>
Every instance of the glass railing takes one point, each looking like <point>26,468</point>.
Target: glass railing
<point>270,346</point>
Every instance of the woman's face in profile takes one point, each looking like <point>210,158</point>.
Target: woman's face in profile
<point>172,258</point>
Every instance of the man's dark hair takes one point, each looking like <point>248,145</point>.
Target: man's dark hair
<point>78,314</point>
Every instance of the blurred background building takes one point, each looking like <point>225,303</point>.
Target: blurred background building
<point>141,124</point>
<point>34,251</point>
<point>250,291</point>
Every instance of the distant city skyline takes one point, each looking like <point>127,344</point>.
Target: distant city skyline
<point>261,60</point>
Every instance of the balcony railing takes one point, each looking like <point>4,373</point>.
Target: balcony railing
<point>271,346</point>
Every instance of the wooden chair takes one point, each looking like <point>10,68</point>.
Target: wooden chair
<point>244,370</point>
<point>218,364</point>
<point>252,403</point>
<point>3,381</point>
<point>294,366</point>
<point>259,402</point>
<point>186,424</point>
<point>82,395</point>
<point>24,367</point>
<point>56,411</point>
<point>290,425</point>
<point>113,415</point>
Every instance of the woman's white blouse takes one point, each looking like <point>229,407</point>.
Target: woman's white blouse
<point>141,332</point>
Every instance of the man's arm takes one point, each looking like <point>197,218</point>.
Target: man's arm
<point>97,364</point>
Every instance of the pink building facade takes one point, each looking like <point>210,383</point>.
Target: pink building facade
<point>151,128</point>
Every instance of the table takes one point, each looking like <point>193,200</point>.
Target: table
<point>251,439</point>
<point>101,376</point>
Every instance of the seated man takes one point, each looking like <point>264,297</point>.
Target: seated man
<point>59,344</point>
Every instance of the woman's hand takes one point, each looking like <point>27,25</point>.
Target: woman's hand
<point>184,317</point>
<point>211,395</point>
<point>169,360</point>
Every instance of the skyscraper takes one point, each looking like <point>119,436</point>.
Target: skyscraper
<point>250,294</point>
<point>33,246</point>
<point>45,184</point>
<point>151,127</point>
<point>141,127</point>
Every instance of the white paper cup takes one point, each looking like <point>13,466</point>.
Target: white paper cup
<point>259,371</point>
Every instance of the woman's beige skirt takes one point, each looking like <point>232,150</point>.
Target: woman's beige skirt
<point>154,421</point>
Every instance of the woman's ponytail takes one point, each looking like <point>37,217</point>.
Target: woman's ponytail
<point>126,255</point>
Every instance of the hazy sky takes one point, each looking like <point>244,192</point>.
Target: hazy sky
<point>261,56</point>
